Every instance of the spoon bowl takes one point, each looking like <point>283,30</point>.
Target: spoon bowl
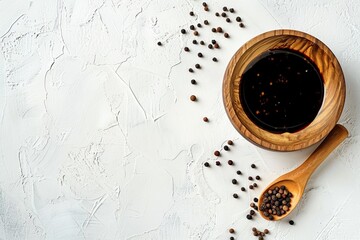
<point>296,180</point>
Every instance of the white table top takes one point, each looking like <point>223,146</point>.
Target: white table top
<point>99,139</point>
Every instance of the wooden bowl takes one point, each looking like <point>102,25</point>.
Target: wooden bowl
<point>334,90</point>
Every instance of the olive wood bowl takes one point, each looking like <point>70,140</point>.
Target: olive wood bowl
<point>334,89</point>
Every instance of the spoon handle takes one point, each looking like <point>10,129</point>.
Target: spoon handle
<point>333,139</point>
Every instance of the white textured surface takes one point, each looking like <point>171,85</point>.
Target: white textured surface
<point>100,141</point>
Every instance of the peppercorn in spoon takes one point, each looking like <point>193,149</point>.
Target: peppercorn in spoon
<point>283,194</point>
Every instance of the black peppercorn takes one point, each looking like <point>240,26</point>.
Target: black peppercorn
<point>230,162</point>
<point>256,199</point>
<point>204,4</point>
<point>291,222</point>
<point>193,98</point>
<point>252,212</point>
<point>186,49</point>
<point>228,20</point>
<point>226,148</point>
<point>191,13</point>
<point>206,9</point>
<point>231,230</point>
<point>213,29</point>
<point>251,187</point>
<point>219,29</point>
<point>194,42</point>
<point>243,189</point>
<point>200,55</point>
<point>235,195</point>
<point>255,184</point>
<point>183,31</point>
<point>238,19</point>
<point>197,66</point>
<point>216,45</point>
<point>225,9</point>
<point>214,59</point>
<point>217,153</point>
<point>193,81</point>
<point>232,238</point>
<point>205,119</point>
<point>266,231</point>
<point>238,172</point>
<point>226,35</point>
<point>249,217</point>
<point>234,181</point>
<point>196,33</point>
<point>192,27</point>
<point>206,22</point>
<point>213,41</point>
<point>210,46</point>
<point>199,25</point>
<point>250,178</point>
<point>218,163</point>
<point>241,25</point>
<point>202,42</point>
<point>217,14</point>
<point>253,166</point>
<point>191,70</point>
<point>159,43</point>
<point>223,14</point>
<point>257,177</point>
<point>231,10</point>
<point>206,164</point>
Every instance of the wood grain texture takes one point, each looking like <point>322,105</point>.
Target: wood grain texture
<point>296,180</point>
<point>334,89</point>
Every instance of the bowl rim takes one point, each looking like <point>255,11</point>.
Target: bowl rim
<point>285,141</point>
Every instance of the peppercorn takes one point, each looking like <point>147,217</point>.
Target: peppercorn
<point>217,14</point>
<point>214,59</point>
<point>206,22</point>
<point>197,66</point>
<point>230,162</point>
<point>238,172</point>
<point>217,153</point>
<point>223,14</point>
<point>216,45</point>
<point>186,49</point>
<point>191,13</point>
<point>241,25</point>
<point>250,178</point>
<point>193,81</point>
<point>225,9</point>
<point>256,199</point>
<point>204,4</point>
<point>213,41</point>
<point>254,229</point>
<point>251,187</point>
<point>266,231</point>
<point>253,166</point>
<point>196,33</point>
<point>213,29</point>
<point>199,25</point>
<point>194,42</point>
<point>191,70</point>
<point>206,8</point>
<point>231,230</point>
<point>193,98</point>
<point>183,31</point>
<point>252,212</point>
<point>159,43</point>
<point>228,20</point>
<point>232,238</point>
<point>257,177</point>
<point>235,195</point>
<point>255,184</point>
<point>249,217</point>
<point>231,10</point>
<point>192,27</point>
<point>226,35</point>
<point>226,148</point>
<point>261,238</point>
<point>219,29</point>
<point>243,189</point>
<point>238,19</point>
<point>205,119</point>
<point>202,42</point>
<point>291,222</point>
<point>234,181</point>
<point>210,46</point>
<point>206,164</point>
<point>218,163</point>
<point>200,55</point>
<point>230,142</point>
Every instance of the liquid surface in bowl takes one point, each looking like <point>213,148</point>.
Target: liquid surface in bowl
<point>281,91</point>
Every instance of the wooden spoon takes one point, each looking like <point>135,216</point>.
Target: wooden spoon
<point>296,180</point>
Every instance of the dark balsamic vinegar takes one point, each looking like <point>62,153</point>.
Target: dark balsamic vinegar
<point>281,91</point>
